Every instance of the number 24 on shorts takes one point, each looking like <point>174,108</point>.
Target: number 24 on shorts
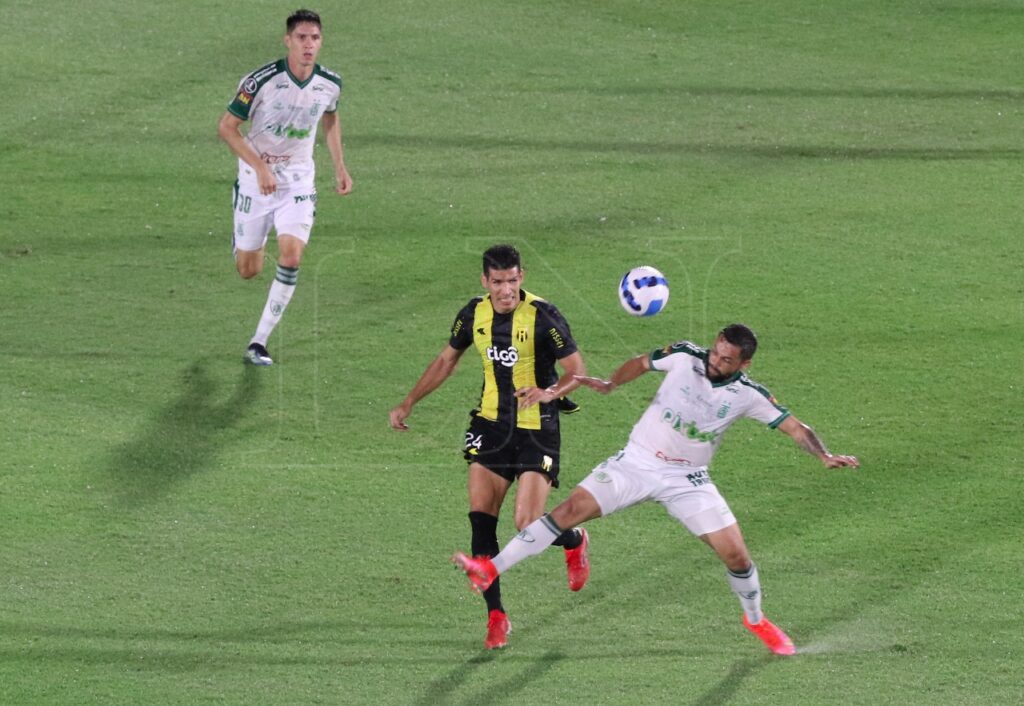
<point>474,441</point>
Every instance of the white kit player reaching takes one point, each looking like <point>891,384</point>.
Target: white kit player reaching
<point>666,460</point>
<point>284,102</point>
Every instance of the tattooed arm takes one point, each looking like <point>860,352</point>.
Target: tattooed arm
<point>806,439</point>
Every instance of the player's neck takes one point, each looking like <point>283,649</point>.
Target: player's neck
<point>301,73</point>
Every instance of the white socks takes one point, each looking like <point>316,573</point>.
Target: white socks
<point>535,538</point>
<point>281,291</point>
<point>747,588</point>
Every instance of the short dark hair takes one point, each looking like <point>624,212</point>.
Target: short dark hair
<point>501,257</point>
<point>301,16</point>
<point>742,337</point>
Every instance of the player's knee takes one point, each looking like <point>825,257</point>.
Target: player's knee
<point>248,264</point>
<point>248,270</point>
<point>579,507</point>
<point>736,559</point>
<point>523,519</point>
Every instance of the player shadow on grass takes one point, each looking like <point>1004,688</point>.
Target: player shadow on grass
<point>727,686</point>
<point>182,438</point>
<point>442,689</point>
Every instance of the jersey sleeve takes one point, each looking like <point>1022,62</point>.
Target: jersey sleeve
<point>764,407</point>
<point>682,352</point>
<point>462,328</point>
<point>241,104</point>
<point>553,329</point>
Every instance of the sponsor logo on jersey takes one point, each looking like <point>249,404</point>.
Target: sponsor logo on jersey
<point>291,131</point>
<point>507,357</point>
<point>671,459</point>
<point>274,158</point>
<point>687,429</point>
<point>319,87</point>
<point>281,86</point>
<point>698,478</point>
<point>250,86</point>
<point>557,338</point>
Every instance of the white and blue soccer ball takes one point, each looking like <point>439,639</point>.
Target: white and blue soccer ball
<point>643,291</point>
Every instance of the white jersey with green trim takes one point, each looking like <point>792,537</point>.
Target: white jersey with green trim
<point>284,113</point>
<point>685,422</point>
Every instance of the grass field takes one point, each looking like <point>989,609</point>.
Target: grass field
<point>843,177</point>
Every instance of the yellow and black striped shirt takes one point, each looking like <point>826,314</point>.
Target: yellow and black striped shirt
<point>518,349</point>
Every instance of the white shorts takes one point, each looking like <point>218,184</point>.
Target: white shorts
<point>635,475</point>
<point>289,211</point>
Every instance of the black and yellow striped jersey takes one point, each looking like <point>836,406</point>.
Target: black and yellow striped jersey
<point>518,349</point>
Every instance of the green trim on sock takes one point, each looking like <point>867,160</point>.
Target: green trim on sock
<point>287,275</point>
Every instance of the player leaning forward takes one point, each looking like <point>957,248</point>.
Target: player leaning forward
<point>284,102</point>
<point>666,460</point>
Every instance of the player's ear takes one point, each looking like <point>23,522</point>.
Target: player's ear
<point>483,280</point>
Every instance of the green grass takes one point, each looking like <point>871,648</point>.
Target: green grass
<point>843,177</point>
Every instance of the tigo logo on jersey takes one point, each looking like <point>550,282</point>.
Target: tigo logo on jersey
<point>507,357</point>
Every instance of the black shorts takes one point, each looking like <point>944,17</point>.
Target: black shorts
<point>509,451</point>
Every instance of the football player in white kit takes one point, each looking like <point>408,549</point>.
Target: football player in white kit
<point>666,460</point>
<point>284,103</point>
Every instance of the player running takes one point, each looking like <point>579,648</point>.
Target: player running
<point>666,460</point>
<point>284,102</point>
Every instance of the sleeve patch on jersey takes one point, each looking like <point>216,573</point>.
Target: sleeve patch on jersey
<point>250,86</point>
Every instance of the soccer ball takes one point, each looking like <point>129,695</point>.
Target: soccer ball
<point>643,291</point>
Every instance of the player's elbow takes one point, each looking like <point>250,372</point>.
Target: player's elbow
<point>226,126</point>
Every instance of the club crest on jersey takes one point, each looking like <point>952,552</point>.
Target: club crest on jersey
<point>522,334</point>
<point>507,357</point>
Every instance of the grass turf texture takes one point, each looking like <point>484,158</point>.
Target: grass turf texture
<point>180,529</point>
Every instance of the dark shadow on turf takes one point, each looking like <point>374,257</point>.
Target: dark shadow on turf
<point>441,689</point>
<point>182,438</point>
<point>726,688</point>
<point>481,143</point>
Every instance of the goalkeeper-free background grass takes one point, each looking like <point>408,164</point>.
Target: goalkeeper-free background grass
<point>844,177</point>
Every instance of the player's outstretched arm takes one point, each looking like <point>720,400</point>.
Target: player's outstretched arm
<point>806,439</point>
<point>627,372</point>
<point>436,373</point>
